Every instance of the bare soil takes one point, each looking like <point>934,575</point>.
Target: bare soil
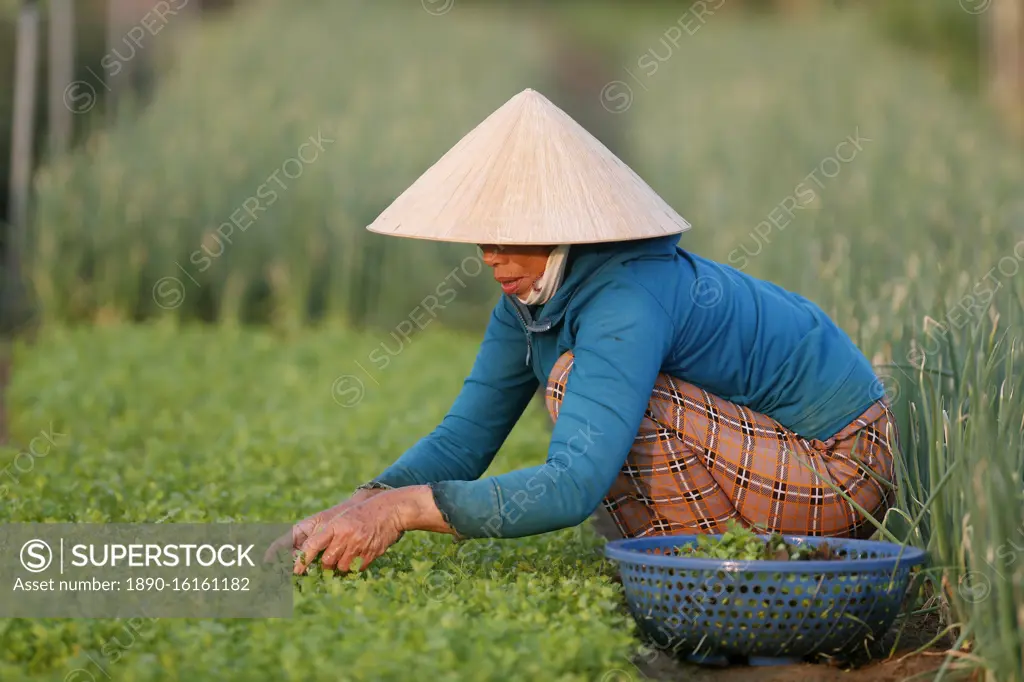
<point>920,667</point>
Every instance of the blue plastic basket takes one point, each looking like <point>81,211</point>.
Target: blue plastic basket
<point>766,612</point>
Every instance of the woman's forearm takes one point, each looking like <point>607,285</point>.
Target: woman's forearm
<point>432,458</point>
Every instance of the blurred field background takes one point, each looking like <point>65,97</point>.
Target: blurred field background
<point>878,121</point>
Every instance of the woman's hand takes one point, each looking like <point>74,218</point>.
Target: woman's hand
<point>369,529</point>
<point>364,531</point>
<point>310,525</point>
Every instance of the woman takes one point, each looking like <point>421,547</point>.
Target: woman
<point>684,393</point>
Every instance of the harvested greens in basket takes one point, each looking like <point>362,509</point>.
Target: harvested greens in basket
<point>742,544</point>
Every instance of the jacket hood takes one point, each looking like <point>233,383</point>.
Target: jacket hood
<point>585,261</point>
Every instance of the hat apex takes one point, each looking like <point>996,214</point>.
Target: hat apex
<point>529,174</point>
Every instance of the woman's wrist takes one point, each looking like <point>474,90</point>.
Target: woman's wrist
<point>358,497</point>
<point>363,494</point>
<point>374,485</point>
<point>415,509</point>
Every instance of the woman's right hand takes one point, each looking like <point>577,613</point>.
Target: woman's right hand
<point>308,526</point>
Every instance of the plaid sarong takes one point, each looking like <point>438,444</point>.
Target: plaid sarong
<point>699,461</point>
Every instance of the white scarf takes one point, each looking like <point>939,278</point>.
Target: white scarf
<point>546,285</point>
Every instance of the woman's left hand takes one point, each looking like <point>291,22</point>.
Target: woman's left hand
<point>364,531</point>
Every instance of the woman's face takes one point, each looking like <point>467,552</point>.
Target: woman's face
<point>516,268</point>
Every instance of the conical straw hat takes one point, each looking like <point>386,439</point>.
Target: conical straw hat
<point>529,174</point>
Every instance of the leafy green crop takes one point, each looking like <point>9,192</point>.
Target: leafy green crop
<point>156,424</point>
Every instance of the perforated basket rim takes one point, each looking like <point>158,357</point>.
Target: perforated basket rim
<point>633,551</point>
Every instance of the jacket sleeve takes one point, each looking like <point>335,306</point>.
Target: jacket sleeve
<point>492,399</point>
<point>623,336</point>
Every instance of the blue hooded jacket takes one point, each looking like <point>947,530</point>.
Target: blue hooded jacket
<point>627,310</point>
